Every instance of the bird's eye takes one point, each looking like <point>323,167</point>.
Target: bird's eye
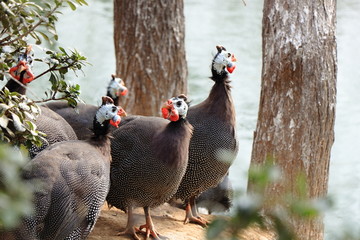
<point>113,109</point>
<point>178,103</point>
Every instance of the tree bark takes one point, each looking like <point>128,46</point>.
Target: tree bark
<point>149,39</point>
<point>295,126</point>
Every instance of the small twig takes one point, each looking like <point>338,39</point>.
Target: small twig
<point>244,2</point>
<point>53,69</point>
<point>49,99</point>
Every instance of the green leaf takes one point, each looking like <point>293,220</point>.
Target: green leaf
<point>11,133</point>
<point>17,123</point>
<point>4,120</point>
<point>34,5</point>
<point>82,2</point>
<point>216,228</point>
<point>63,70</point>
<point>63,50</point>
<point>52,31</point>
<point>71,102</point>
<point>44,36</point>
<point>3,107</point>
<point>53,79</point>
<point>72,5</point>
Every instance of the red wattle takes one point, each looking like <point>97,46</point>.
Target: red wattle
<point>165,113</point>
<point>28,77</point>
<point>124,92</point>
<point>15,72</point>
<point>12,72</point>
<point>115,124</point>
<point>174,117</point>
<point>231,69</point>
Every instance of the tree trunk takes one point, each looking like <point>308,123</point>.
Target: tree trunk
<point>295,124</point>
<point>149,39</point>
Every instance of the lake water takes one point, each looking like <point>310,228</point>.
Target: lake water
<point>238,28</point>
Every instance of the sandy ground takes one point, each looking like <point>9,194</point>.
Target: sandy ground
<point>168,221</point>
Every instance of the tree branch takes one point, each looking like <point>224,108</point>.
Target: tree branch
<point>3,41</point>
<point>52,69</point>
<point>53,98</point>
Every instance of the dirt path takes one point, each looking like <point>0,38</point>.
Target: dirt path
<point>168,221</point>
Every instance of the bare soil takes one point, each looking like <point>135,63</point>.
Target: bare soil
<point>168,221</point>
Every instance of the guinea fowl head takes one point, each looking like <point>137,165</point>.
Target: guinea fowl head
<point>223,60</point>
<point>109,112</point>
<point>22,71</point>
<point>116,87</point>
<point>175,108</point>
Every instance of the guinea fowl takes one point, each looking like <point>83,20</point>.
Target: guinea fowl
<point>21,74</point>
<point>150,156</point>
<point>81,119</point>
<point>217,199</point>
<point>213,146</point>
<point>48,122</point>
<point>71,181</point>
<point>116,89</point>
<point>55,127</point>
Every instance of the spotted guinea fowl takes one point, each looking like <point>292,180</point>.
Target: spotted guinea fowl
<point>48,122</point>
<point>21,74</point>
<point>71,181</point>
<point>81,119</point>
<point>213,146</point>
<point>55,127</point>
<point>116,88</point>
<point>150,156</point>
<point>217,199</point>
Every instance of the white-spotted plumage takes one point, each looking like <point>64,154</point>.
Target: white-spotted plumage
<point>214,132</point>
<point>149,159</point>
<point>71,182</point>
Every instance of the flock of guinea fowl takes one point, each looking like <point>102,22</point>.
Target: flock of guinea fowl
<point>100,154</point>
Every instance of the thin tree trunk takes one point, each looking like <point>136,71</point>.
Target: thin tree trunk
<point>295,124</point>
<point>149,39</point>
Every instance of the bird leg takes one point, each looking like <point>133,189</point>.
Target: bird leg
<point>149,226</point>
<point>192,215</point>
<point>130,226</point>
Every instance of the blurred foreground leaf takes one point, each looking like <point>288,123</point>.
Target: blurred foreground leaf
<point>15,195</point>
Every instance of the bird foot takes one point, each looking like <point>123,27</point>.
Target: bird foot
<point>150,231</point>
<point>130,232</point>
<point>197,220</point>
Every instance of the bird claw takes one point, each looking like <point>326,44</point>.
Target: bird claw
<point>197,220</point>
<point>151,232</point>
<point>130,232</point>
